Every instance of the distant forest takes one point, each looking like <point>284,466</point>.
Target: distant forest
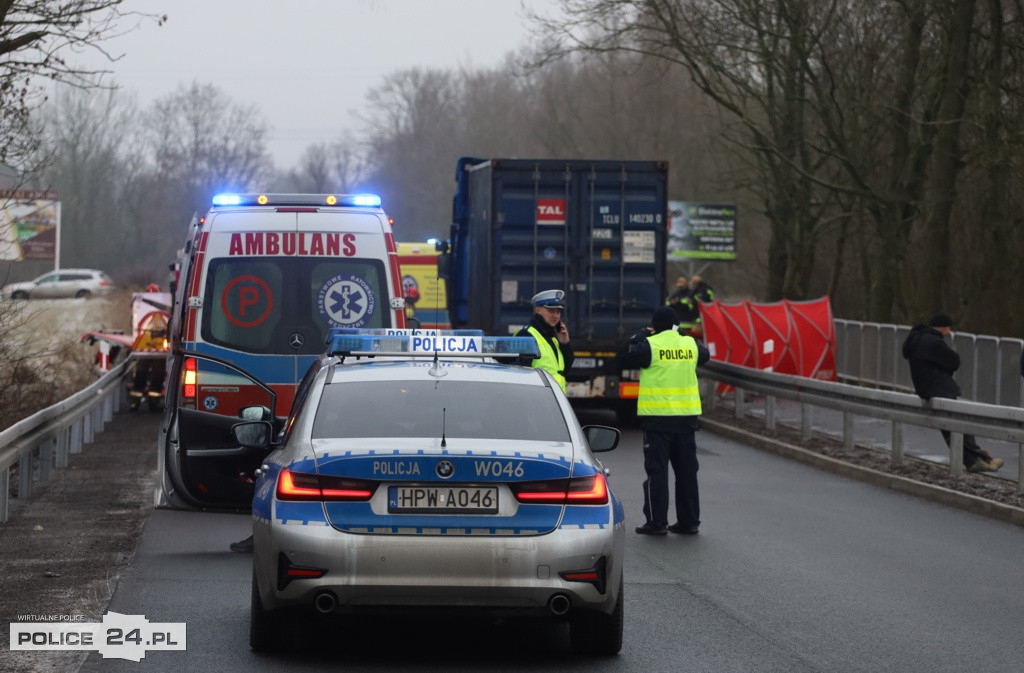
<point>874,149</point>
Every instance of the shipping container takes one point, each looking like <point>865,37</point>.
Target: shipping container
<point>596,229</point>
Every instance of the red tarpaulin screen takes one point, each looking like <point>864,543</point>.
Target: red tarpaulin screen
<point>790,337</point>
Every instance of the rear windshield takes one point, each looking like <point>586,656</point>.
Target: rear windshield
<point>285,305</point>
<point>428,408</point>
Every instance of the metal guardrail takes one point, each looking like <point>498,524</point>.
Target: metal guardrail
<point>44,440</point>
<point>871,354</point>
<point>957,416</point>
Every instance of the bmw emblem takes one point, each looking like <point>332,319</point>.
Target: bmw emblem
<point>444,469</point>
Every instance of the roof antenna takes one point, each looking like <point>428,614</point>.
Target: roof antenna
<point>436,370</point>
<point>444,421</point>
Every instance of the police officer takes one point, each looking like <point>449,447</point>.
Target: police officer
<point>669,405</point>
<point>552,336</point>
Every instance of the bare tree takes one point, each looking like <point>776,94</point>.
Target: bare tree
<point>203,144</point>
<point>749,57</point>
<point>90,137</point>
<point>36,36</point>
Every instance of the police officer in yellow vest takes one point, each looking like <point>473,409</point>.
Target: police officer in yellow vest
<point>552,336</point>
<point>669,406</point>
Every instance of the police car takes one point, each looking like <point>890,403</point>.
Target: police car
<point>417,471</point>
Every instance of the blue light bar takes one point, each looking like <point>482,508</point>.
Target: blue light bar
<point>286,200</point>
<point>461,343</point>
<point>371,200</point>
<point>227,200</point>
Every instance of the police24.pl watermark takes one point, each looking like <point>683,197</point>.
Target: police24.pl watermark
<point>118,636</point>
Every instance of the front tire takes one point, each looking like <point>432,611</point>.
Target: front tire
<point>19,294</point>
<point>264,626</point>
<point>595,633</point>
<point>82,294</point>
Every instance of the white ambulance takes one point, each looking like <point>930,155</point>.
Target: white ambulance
<point>263,279</point>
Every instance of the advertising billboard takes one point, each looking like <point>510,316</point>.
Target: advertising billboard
<point>29,225</point>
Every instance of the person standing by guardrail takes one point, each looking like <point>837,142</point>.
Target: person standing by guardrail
<point>669,405</point>
<point>932,364</point>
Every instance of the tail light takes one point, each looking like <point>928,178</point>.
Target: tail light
<point>592,490</point>
<point>188,380</point>
<point>596,575</point>
<point>300,486</point>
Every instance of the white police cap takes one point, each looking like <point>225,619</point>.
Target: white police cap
<point>549,298</point>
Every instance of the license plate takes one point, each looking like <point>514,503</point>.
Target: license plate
<point>585,363</point>
<point>443,499</point>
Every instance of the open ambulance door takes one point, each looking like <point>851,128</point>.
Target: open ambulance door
<point>200,464</point>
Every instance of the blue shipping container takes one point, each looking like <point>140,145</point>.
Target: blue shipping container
<point>596,229</point>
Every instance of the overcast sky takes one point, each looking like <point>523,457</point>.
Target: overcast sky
<point>308,64</point>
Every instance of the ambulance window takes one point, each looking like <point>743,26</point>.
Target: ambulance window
<point>244,302</point>
<point>349,293</point>
<point>256,304</point>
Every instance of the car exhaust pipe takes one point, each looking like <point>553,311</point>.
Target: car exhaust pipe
<point>559,604</point>
<point>325,602</point>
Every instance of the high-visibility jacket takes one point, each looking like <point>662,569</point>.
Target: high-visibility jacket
<point>668,387</point>
<point>550,357</point>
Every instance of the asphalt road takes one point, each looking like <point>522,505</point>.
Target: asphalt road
<point>794,570</point>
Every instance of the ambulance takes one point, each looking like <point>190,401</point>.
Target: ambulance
<point>263,278</point>
<point>424,290</point>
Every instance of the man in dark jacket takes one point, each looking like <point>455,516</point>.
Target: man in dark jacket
<point>932,364</point>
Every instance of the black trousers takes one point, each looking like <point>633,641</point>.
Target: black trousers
<point>972,452</point>
<point>676,448</point>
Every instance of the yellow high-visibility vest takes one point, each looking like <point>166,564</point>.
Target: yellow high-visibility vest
<point>550,357</point>
<point>669,386</point>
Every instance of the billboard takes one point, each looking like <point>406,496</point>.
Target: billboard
<point>701,230</point>
<point>29,225</point>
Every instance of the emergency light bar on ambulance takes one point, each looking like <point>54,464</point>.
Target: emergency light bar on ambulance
<point>349,200</point>
<point>411,343</point>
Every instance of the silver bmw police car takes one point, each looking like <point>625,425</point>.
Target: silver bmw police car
<point>417,471</point>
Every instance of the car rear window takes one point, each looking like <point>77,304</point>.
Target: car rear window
<point>257,304</point>
<point>478,410</point>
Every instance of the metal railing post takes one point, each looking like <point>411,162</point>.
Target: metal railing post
<point>956,453</point>
<point>806,426</point>
<point>847,431</point>
<point>769,412</point>
<point>739,402</point>
<point>63,438</point>
<point>897,441</point>
<point>25,475</point>
<point>5,496</point>
<point>45,460</point>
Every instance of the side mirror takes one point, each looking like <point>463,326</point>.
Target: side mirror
<point>252,434</point>
<point>413,323</point>
<point>601,437</point>
<point>256,413</point>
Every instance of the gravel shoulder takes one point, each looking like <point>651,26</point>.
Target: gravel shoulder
<point>63,549</point>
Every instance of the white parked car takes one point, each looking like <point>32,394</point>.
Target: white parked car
<point>60,284</point>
